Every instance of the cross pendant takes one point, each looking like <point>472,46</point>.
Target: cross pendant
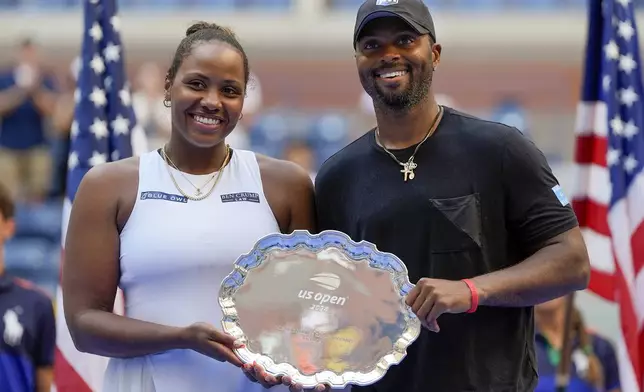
<point>408,170</point>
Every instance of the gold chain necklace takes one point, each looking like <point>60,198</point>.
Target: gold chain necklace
<point>198,189</point>
<point>410,165</point>
<point>174,181</point>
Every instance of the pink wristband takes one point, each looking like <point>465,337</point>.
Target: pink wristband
<point>475,295</point>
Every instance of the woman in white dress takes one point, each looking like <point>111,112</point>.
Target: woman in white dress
<point>166,228</point>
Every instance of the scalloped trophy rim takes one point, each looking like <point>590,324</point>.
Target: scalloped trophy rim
<point>393,357</point>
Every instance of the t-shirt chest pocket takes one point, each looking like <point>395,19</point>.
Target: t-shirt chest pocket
<point>455,238</point>
<point>455,224</point>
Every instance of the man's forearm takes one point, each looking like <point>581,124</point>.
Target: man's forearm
<point>11,98</point>
<point>44,379</point>
<point>45,101</point>
<point>557,269</point>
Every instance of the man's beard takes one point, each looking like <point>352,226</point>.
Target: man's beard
<point>403,101</point>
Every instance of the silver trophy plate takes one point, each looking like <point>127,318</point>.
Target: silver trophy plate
<point>319,308</point>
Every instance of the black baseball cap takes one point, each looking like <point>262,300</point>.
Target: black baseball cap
<point>414,12</point>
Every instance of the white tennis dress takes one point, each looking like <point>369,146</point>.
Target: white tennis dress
<point>174,255</point>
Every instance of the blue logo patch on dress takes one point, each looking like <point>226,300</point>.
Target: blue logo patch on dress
<point>560,195</point>
<point>386,2</point>
<point>240,196</point>
<point>156,195</point>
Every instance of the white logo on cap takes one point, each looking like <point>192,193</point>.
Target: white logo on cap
<point>386,2</point>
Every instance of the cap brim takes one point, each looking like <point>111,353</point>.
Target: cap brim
<point>386,14</point>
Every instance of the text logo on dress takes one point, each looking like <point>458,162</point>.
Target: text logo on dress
<point>251,197</point>
<point>156,195</point>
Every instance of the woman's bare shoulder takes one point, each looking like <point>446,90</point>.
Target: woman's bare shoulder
<point>282,171</point>
<point>111,186</point>
<point>113,174</point>
<point>289,191</point>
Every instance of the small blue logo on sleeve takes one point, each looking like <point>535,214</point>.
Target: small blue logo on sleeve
<point>560,195</point>
<point>155,195</point>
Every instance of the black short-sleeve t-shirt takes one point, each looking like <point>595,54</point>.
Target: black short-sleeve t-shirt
<point>483,199</point>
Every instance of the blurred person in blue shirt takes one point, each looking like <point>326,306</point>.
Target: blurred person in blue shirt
<point>594,364</point>
<point>301,153</point>
<point>61,121</point>
<point>27,324</point>
<point>511,112</point>
<point>26,100</point>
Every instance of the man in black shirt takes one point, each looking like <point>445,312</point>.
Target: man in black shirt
<point>470,206</point>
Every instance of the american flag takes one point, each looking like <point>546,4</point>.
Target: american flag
<point>104,129</point>
<point>610,158</point>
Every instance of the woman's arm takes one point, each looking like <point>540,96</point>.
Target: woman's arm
<point>302,202</point>
<point>289,191</point>
<point>91,274</point>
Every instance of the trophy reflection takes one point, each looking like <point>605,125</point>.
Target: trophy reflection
<point>320,311</point>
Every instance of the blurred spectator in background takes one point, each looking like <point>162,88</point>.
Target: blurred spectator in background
<point>252,104</point>
<point>26,100</point>
<point>147,102</point>
<point>61,123</point>
<point>510,111</point>
<point>28,326</point>
<point>301,153</point>
<point>594,364</point>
